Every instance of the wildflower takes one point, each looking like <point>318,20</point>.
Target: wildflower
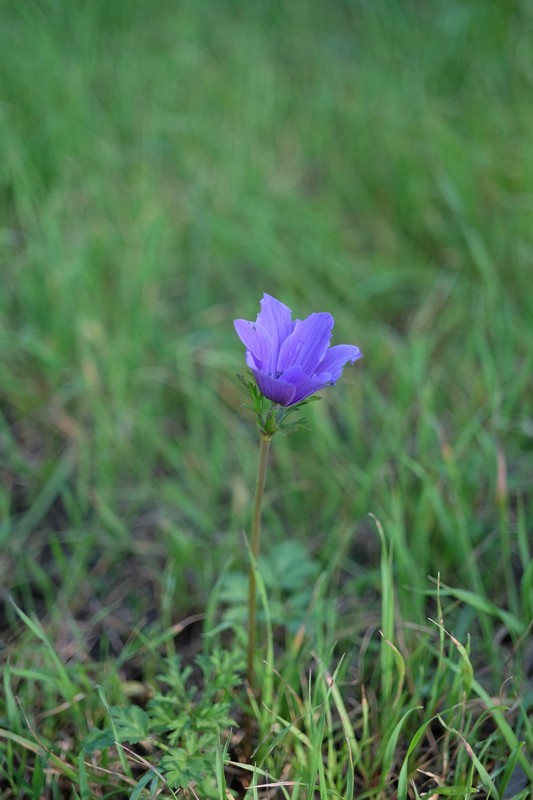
<point>292,359</point>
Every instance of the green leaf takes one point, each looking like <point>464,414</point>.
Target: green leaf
<point>98,740</point>
<point>82,773</point>
<point>132,723</point>
<point>144,781</point>
<point>182,767</point>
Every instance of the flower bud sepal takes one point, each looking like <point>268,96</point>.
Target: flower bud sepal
<point>271,417</point>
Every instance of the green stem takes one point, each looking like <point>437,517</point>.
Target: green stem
<point>254,548</point>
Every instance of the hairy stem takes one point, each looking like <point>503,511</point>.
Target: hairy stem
<point>254,547</point>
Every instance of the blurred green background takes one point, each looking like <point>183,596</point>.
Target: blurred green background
<point>164,164</point>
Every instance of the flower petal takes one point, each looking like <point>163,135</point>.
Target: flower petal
<point>276,318</point>
<point>276,389</point>
<point>307,344</point>
<point>251,361</point>
<point>336,358</point>
<point>304,385</point>
<point>257,340</point>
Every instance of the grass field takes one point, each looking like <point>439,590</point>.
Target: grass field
<point>164,164</point>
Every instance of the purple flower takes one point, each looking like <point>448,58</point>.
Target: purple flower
<point>292,359</point>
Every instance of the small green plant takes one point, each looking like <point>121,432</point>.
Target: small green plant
<point>289,573</point>
<point>184,721</point>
